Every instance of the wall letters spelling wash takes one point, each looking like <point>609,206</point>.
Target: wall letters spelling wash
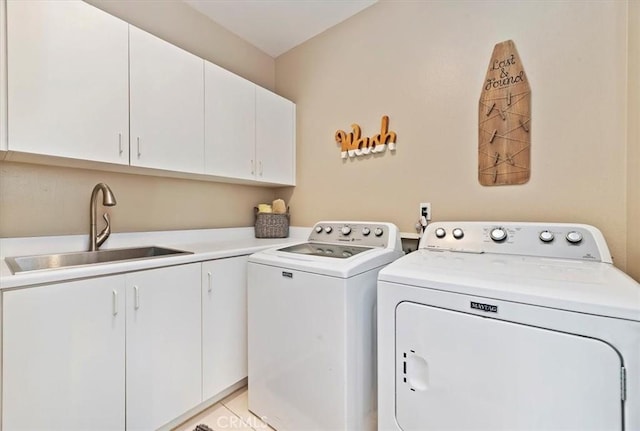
<point>354,145</point>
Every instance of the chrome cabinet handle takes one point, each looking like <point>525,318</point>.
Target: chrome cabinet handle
<point>139,153</point>
<point>136,297</point>
<point>252,167</point>
<point>120,143</point>
<point>114,297</point>
<point>210,288</point>
<point>260,164</point>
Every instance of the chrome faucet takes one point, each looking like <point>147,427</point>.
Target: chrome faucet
<point>109,200</point>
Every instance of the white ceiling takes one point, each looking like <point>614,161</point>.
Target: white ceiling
<point>276,26</point>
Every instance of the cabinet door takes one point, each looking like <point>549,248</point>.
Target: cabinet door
<point>68,92</point>
<point>63,356</point>
<point>167,105</point>
<point>164,373</point>
<point>224,324</point>
<point>275,138</point>
<point>230,118</point>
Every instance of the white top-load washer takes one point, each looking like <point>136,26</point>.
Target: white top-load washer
<point>311,327</point>
<point>508,326</point>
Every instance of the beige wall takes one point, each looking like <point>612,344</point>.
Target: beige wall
<point>48,200</point>
<point>633,160</point>
<point>41,200</point>
<point>423,64</point>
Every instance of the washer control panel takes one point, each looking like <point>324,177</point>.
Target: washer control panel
<point>558,240</point>
<point>357,233</point>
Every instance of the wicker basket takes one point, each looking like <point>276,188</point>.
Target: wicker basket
<point>269,225</point>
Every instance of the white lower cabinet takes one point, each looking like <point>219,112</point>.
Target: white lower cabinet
<point>224,324</point>
<point>164,356</point>
<point>131,351</point>
<point>63,357</point>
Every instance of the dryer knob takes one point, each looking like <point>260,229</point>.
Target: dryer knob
<point>441,233</point>
<point>328,229</point>
<point>366,231</point>
<point>574,237</point>
<point>346,230</point>
<point>318,229</point>
<point>378,231</point>
<point>498,234</point>
<point>458,233</point>
<point>546,236</point>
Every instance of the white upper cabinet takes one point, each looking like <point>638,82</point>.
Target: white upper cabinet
<point>67,81</point>
<point>249,131</point>
<point>167,105</point>
<point>275,138</point>
<point>230,123</point>
<point>85,85</point>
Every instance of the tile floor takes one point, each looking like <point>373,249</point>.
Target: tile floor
<point>232,413</point>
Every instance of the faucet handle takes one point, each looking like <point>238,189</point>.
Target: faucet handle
<point>102,236</point>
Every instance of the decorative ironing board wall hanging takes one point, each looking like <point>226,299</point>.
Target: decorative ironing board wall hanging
<point>504,120</point>
<point>352,144</point>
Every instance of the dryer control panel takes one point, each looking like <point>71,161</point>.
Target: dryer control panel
<point>555,240</point>
<point>365,234</point>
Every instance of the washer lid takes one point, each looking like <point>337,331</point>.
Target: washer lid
<point>337,251</point>
<point>345,267</point>
<point>581,286</point>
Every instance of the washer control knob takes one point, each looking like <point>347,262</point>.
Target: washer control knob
<point>378,231</point>
<point>457,233</point>
<point>498,234</point>
<point>346,230</point>
<point>546,236</point>
<point>441,233</point>
<point>574,237</point>
<point>328,229</point>
<point>318,229</point>
<point>366,231</point>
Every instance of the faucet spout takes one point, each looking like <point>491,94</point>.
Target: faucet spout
<point>109,200</point>
<point>102,236</point>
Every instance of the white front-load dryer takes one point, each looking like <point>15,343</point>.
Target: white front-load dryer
<point>311,327</point>
<point>508,326</point>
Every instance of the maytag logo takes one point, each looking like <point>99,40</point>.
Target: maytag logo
<point>287,274</point>
<point>488,308</point>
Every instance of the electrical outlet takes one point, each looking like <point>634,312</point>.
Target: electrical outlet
<point>425,210</point>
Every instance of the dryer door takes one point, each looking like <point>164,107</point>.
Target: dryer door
<point>458,371</point>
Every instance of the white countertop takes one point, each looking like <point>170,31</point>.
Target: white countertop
<point>206,244</point>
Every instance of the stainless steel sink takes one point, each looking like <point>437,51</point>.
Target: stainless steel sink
<point>65,260</point>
